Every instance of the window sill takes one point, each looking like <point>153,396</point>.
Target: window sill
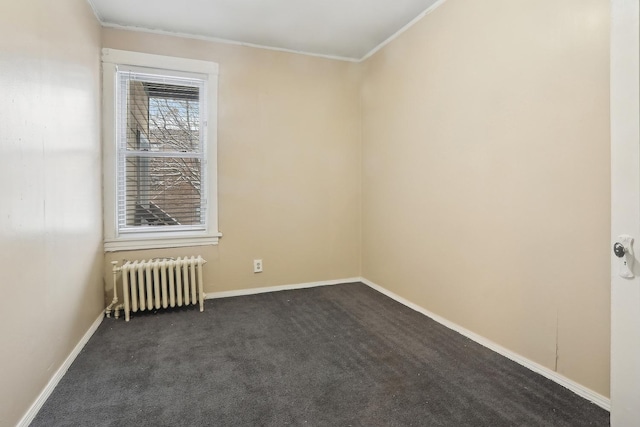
<point>124,244</point>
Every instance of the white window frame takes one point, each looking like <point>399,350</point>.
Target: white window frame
<point>114,241</point>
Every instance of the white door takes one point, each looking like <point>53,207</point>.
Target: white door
<point>625,212</point>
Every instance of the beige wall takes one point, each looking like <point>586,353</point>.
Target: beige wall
<point>288,155</point>
<point>486,175</point>
<point>50,209</point>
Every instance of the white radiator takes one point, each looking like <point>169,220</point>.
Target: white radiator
<point>159,283</point>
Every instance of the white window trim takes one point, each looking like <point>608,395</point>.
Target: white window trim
<point>111,58</point>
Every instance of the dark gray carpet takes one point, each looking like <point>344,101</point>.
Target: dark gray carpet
<point>341,355</point>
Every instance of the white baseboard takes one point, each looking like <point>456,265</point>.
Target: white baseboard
<point>53,382</point>
<point>578,389</point>
<point>253,291</point>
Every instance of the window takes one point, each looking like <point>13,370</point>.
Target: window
<point>159,137</point>
<point>160,152</point>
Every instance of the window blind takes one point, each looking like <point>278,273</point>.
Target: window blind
<point>161,172</point>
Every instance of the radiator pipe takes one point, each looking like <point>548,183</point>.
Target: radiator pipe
<point>110,307</point>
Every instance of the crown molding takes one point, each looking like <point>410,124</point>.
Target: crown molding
<point>259,46</point>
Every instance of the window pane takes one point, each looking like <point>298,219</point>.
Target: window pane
<point>163,191</point>
<point>174,125</point>
<point>167,115</point>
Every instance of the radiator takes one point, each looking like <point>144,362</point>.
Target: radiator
<point>158,283</point>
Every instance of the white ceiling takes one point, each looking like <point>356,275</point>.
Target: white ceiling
<point>346,29</point>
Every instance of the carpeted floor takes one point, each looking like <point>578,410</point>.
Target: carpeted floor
<point>341,355</point>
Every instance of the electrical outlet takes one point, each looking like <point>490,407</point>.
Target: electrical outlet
<point>257,266</point>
